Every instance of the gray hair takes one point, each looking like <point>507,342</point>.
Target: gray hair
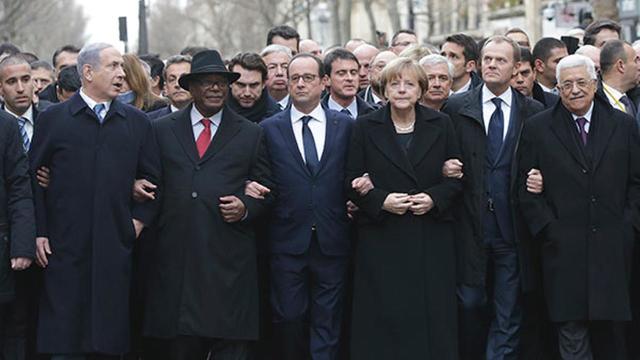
<point>175,59</point>
<point>10,60</point>
<point>275,48</point>
<point>90,55</point>
<point>435,59</point>
<point>576,60</point>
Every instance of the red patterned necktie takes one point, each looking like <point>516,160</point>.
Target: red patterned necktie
<point>204,139</point>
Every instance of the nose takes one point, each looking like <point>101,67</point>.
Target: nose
<point>20,86</point>
<point>279,70</point>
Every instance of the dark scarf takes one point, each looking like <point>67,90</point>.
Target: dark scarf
<point>262,109</point>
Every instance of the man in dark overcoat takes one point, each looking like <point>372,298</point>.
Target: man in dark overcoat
<point>587,215</point>
<point>203,290</point>
<point>86,221</point>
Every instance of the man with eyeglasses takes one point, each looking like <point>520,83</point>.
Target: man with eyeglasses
<point>202,291</point>
<point>587,214</point>
<point>308,229</point>
<point>402,39</point>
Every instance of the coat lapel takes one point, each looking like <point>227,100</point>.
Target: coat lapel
<point>229,128</point>
<point>382,136</point>
<point>332,128</point>
<point>424,135</point>
<point>561,128</point>
<point>472,107</point>
<point>603,128</point>
<point>183,130</point>
<point>286,129</point>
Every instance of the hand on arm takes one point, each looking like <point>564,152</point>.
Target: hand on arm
<point>397,203</point>
<point>143,190</point>
<point>232,208</point>
<point>362,185</point>
<point>452,168</point>
<point>535,184</point>
<point>256,190</point>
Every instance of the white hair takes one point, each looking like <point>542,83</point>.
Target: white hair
<point>90,55</point>
<point>275,48</point>
<point>576,60</point>
<point>435,59</point>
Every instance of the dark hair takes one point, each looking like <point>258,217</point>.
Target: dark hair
<point>525,56</point>
<point>470,47</point>
<point>156,65</point>
<point>338,54</point>
<point>542,49</point>
<point>9,48</point>
<point>284,31</point>
<point>30,57</point>
<point>611,52</point>
<point>40,64</point>
<point>595,27</point>
<point>307,55</point>
<point>68,79</point>
<point>250,61</point>
<point>66,48</point>
<point>192,50</point>
<point>402,31</point>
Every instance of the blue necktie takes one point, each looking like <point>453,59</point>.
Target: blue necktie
<point>99,109</point>
<point>346,111</point>
<point>495,132</point>
<point>26,143</point>
<point>310,152</point>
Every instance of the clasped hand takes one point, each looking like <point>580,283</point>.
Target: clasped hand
<point>400,203</point>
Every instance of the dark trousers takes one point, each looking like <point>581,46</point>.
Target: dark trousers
<point>307,302</point>
<point>198,348</point>
<point>502,336</point>
<point>18,318</point>
<point>589,340</point>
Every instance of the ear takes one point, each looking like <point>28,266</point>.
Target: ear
<point>539,65</point>
<point>620,65</point>
<point>470,66</point>
<point>87,72</point>
<point>326,81</point>
<point>516,66</point>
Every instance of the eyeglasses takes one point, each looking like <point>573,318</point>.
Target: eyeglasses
<point>222,84</point>
<point>307,78</point>
<point>567,86</point>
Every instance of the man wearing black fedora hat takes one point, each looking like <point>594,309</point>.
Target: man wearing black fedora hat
<point>203,293</point>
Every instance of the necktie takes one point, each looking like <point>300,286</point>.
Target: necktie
<point>495,131</point>
<point>628,105</point>
<point>309,144</point>
<point>23,133</point>
<point>554,91</point>
<point>346,111</point>
<point>204,139</point>
<point>99,109</point>
<point>583,131</point>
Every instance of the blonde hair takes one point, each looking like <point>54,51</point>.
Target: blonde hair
<point>415,52</point>
<point>396,67</point>
<point>138,80</point>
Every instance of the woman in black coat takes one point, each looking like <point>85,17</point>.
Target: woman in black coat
<point>404,302</point>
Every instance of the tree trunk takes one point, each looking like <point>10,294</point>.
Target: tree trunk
<point>346,20</point>
<point>368,7</point>
<point>335,22</point>
<point>605,9</point>
<point>394,14</point>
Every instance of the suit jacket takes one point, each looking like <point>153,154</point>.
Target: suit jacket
<point>156,114</point>
<point>17,217</point>
<point>204,280</point>
<point>547,99</point>
<point>465,111</point>
<point>366,94</point>
<point>304,200</point>
<point>86,213</point>
<point>586,216</point>
<point>363,107</point>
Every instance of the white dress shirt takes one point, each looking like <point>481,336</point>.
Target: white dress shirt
<point>284,102</point>
<point>92,103</point>
<point>613,95</point>
<point>173,108</point>
<point>488,107</point>
<point>549,90</point>
<point>353,107</point>
<point>587,116</point>
<point>465,88</point>
<point>197,124</point>
<point>28,115</point>
<point>317,125</point>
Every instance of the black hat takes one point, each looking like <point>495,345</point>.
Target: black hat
<point>205,63</point>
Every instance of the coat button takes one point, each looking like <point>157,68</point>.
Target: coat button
<point>584,171</point>
<point>194,194</point>
<point>197,167</point>
<point>594,229</point>
<point>593,199</point>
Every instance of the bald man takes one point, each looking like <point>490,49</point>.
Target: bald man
<point>372,94</point>
<point>365,53</point>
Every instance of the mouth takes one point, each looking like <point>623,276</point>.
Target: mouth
<point>117,85</point>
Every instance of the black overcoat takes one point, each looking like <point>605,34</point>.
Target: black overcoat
<point>404,301</point>
<point>465,111</point>
<point>203,281</point>
<point>86,212</point>
<point>586,216</point>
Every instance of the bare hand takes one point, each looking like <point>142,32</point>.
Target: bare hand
<point>362,185</point>
<point>43,175</point>
<point>143,190</point>
<point>535,185</point>
<point>20,263</point>
<point>397,203</point>
<point>422,204</point>
<point>452,168</point>
<point>42,251</point>
<point>232,208</point>
<point>138,226</point>
<point>351,209</point>
<point>256,190</point>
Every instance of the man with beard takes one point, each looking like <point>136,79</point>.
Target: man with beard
<point>249,96</point>
<point>176,66</point>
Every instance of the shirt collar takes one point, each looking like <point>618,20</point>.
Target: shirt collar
<point>464,88</point>
<point>545,89</point>
<point>586,116</point>
<point>28,115</point>
<point>317,114</point>
<point>353,107</point>
<point>284,102</point>
<point>92,103</point>
<point>612,91</point>
<point>487,95</point>
<point>196,117</point>
<point>173,108</point>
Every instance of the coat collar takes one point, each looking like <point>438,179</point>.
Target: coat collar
<point>77,104</point>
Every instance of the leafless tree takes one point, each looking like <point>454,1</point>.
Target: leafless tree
<point>605,9</point>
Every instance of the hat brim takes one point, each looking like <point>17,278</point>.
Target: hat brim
<point>186,78</point>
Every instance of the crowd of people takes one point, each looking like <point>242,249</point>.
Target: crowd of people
<point>472,200</point>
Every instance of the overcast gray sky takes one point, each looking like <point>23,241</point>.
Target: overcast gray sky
<point>103,16</point>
